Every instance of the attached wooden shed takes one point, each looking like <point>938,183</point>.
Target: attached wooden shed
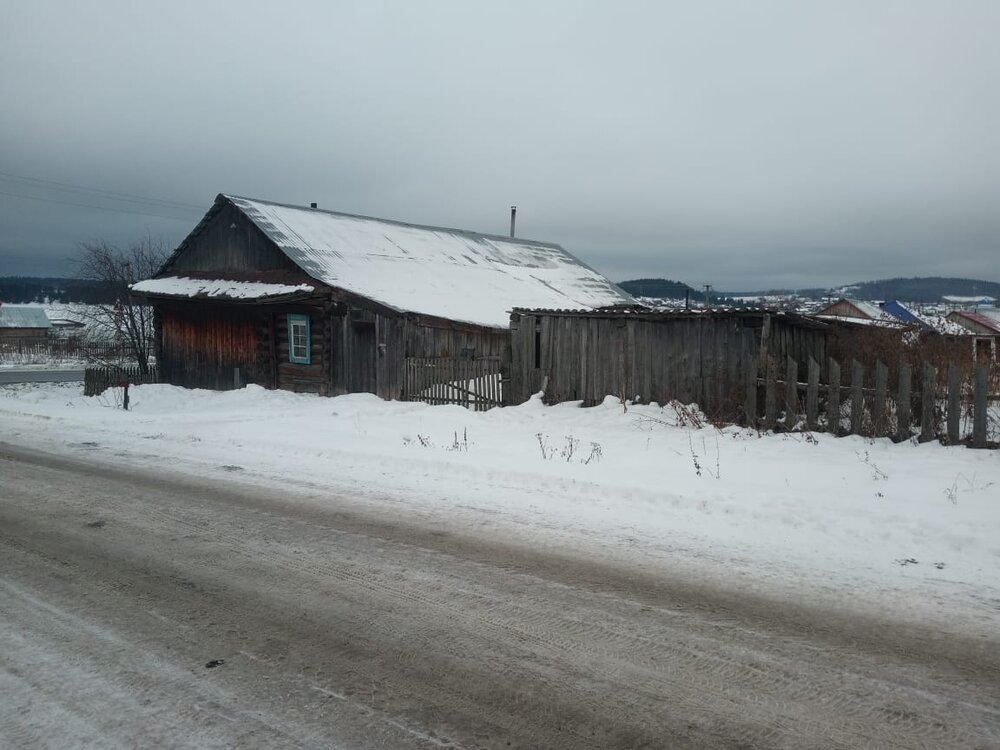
<point>311,300</point>
<point>649,355</point>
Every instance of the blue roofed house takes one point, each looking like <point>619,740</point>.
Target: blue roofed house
<point>858,312</point>
<point>904,314</point>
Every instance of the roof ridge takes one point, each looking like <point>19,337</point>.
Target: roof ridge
<point>397,222</point>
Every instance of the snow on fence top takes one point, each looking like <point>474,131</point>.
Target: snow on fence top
<point>447,273</point>
<point>180,286</point>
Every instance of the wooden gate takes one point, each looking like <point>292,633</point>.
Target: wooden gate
<point>473,383</point>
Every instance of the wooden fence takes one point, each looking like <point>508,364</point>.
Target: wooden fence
<point>473,383</point>
<point>96,380</point>
<point>925,405</point>
<point>33,348</point>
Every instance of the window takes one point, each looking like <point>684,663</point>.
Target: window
<point>298,339</point>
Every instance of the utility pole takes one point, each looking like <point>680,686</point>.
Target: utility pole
<point>708,295</point>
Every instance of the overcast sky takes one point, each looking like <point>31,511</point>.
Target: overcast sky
<point>750,145</point>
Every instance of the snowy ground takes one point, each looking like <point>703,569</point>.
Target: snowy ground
<point>907,531</point>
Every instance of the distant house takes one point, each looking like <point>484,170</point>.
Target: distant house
<point>23,323</point>
<point>985,326</point>
<point>858,312</point>
<point>312,300</point>
<point>904,314</point>
<point>967,302</point>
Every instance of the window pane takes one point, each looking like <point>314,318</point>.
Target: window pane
<point>298,339</point>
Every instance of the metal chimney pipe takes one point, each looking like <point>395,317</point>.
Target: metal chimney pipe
<point>513,215</point>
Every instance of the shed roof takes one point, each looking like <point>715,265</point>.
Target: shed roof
<point>666,313</point>
<point>436,271</point>
<point>12,316</point>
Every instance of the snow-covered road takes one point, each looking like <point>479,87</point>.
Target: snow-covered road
<point>911,531</point>
<point>138,609</point>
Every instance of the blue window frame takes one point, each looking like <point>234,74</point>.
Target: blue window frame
<point>298,340</point>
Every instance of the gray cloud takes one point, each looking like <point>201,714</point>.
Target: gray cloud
<point>748,145</point>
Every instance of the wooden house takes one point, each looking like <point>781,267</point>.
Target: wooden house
<point>859,312</point>
<point>23,324</point>
<point>305,299</point>
<point>641,354</point>
<point>984,326</point>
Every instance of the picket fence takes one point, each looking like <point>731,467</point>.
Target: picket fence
<point>43,349</point>
<point>473,383</point>
<point>96,380</point>
<point>956,413</point>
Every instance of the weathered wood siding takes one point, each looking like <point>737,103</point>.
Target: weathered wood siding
<point>231,242</point>
<point>368,350</point>
<point>699,358</point>
<point>782,338</point>
<point>200,344</point>
<point>845,309</point>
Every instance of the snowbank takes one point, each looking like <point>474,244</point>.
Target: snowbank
<point>913,530</point>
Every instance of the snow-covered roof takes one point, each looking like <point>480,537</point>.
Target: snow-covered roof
<point>12,316</point>
<point>447,273</point>
<point>181,286</point>
<point>981,300</point>
<point>903,313</point>
<point>942,325</point>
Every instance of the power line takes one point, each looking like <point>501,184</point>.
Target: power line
<point>99,208</point>
<point>71,188</point>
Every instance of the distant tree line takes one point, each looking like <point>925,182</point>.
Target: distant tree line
<point>925,289</point>
<point>22,289</point>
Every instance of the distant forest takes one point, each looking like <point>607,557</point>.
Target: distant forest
<point>21,289</point>
<point>926,289</point>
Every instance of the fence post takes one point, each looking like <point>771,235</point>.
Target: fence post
<point>879,419</point>
<point>770,397</point>
<point>833,399</point>
<point>979,418</point>
<point>812,394</point>
<point>857,397</point>
<point>751,402</point>
<point>791,395</point>
<point>927,403</point>
<point>954,404</point>
<point>904,417</point>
